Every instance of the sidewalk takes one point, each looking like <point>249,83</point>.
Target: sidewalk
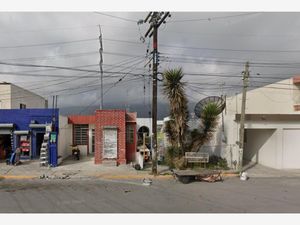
<point>259,171</point>
<point>82,169</point>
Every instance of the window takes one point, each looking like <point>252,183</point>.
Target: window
<point>81,134</point>
<point>93,140</point>
<point>129,134</point>
<point>22,106</point>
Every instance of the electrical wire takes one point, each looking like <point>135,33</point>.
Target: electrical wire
<point>117,17</point>
<point>48,44</point>
<point>213,18</point>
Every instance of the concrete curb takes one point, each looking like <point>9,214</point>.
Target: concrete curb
<point>134,177</point>
<point>108,176</point>
<point>101,176</point>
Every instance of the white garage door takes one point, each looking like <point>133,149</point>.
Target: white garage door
<point>291,149</point>
<point>110,144</point>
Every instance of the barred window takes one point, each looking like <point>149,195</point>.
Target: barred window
<point>129,134</point>
<point>81,134</point>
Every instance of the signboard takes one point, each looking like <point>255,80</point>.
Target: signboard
<point>110,144</point>
<point>53,138</point>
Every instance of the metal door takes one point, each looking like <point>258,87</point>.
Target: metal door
<point>110,143</point>
<point>291,153</point>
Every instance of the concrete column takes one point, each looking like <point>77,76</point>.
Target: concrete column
<point>279,148</point>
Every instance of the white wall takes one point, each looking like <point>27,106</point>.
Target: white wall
<point>291,153</point>
<point>30,99</point>
<point>65,137</point>
<point>147,122</point>
<point>260,146</point>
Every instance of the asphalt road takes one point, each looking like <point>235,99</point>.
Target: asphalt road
<point>163,196</point>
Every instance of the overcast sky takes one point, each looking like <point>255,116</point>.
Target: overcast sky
<point>202,43</point>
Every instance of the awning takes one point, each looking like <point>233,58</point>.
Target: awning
<point>20,132</point>
<point>33,125</point>
<point>6,125</point>
<point>6,128</point>
<point>5,131</point>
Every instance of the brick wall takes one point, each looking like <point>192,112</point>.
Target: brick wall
<point>110,118</point>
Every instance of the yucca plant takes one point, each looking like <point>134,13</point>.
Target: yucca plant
<point>173,89</point>
<point>209,121</point>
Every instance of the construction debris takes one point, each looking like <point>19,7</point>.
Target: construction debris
<point>64,176</point>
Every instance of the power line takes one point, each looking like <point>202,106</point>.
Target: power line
<point>231,50</point>
<point>117,17</point>
<point>46,44</point>
<point>214,18</point>
<point>37,58</point>
<point>163,45</point>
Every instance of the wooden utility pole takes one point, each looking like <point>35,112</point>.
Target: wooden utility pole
<point>101,68</point>
<point>156,19</point>
<point>242,119</point>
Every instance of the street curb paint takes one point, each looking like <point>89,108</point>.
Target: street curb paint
<point>17,177</point>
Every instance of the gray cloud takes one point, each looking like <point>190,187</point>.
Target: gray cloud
<point>261,31</point>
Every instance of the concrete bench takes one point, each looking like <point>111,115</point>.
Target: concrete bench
<point>196,157</point>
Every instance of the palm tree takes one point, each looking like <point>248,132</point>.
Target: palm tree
<point>209,121</point>
<point>173,89</point>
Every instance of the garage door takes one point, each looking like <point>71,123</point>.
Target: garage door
<point>110,144</point>
<point>291,149</point>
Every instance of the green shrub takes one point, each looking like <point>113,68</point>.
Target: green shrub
<point>217,162</point>
<point>172,154</point>
<point>179,163</point>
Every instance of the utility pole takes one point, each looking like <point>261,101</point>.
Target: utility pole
<point>100,65</point>
<point>156,19</point>
<point>242,119</point>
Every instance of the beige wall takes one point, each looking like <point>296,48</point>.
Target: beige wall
<point>5,99</point>
<point>31,100</point>
<point>277,98</point>
<point>65,137</point>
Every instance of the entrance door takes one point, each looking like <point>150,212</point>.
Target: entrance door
<point>110,144</point>
<point>39,141</point>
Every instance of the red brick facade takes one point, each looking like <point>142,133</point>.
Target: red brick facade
<point>118,119</point>
<point>107,118</point>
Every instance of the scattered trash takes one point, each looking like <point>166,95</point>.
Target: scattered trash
<point>44,176</point>
<point>64,176</point>
<point>147,181</point>
<point>244,176</point>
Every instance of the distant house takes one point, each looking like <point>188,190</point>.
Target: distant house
<point>15,97</point>
<point>272,127</point>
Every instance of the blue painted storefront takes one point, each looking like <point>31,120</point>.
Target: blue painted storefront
<point>22,118</point>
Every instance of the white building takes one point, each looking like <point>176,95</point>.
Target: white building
<point>272,127</point>
<point>14,97</point>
